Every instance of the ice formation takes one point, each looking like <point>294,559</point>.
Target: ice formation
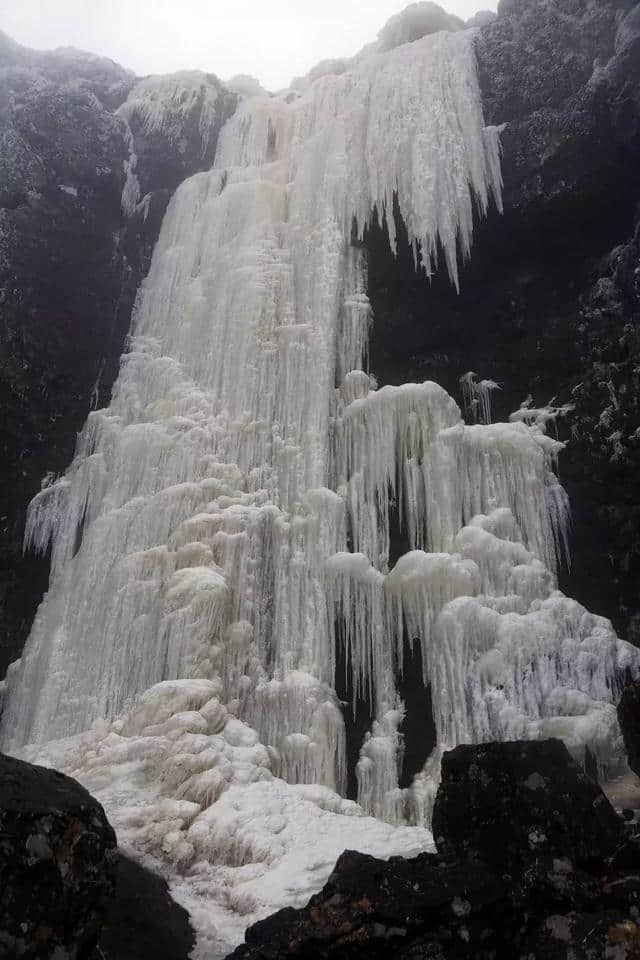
<point>541,416</point>
<point>225,526</point>
<point>190,792</point>
<point>476,397</point>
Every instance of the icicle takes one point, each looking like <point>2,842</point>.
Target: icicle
<point>131,189</point>
<point>301,719</point>
<point>476,397</point>
<point>377,769</point>
<point>357,601</point>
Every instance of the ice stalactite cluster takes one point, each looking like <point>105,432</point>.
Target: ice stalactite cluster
<point>541,416</point>
<point>131,190</point>
<point>192,532</point>
<point>476,397</point>
<point>227,520</point>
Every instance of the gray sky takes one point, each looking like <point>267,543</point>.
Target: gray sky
<point>274,40</point>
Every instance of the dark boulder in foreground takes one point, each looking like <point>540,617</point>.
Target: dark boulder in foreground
<point>57,864</point>
<point>142,920</point>
<point>629,718</point>
<point>504,803</point>
<point>563,881</point>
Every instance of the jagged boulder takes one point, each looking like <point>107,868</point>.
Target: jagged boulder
<point>57,864</point>
<point>506,803</point>
<point>629,718</point>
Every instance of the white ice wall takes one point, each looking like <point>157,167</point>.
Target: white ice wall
<point>231,507</point>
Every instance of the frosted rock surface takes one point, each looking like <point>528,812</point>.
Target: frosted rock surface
<point>416,21</point>
<point>245,85</point>
<point>162,103</point>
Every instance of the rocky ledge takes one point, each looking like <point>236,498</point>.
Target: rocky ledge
<point>532,862</point>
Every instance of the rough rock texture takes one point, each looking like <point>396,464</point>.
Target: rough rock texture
<point>574,895</point>
<point>629,718</point>
<point>57,864</point>
<point>550,300</point>
<point>142,921</point>
<point>70,265</point>
<point>504,803</point>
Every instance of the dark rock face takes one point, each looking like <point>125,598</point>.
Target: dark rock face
<point>70,265</point>
<point>57,864</point>
<point>550,301</point>
<point>506,803</point>
<point>142,921</point>
<point>629,718</point>
<point>65,289</point>
<point>523,871</point>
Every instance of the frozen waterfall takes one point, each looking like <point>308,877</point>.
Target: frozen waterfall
<point>225,524</point>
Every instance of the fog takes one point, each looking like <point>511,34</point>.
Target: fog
<point>273,41</point>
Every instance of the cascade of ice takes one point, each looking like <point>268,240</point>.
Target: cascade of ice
<point>227,518</point>
<point>476,397</point>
